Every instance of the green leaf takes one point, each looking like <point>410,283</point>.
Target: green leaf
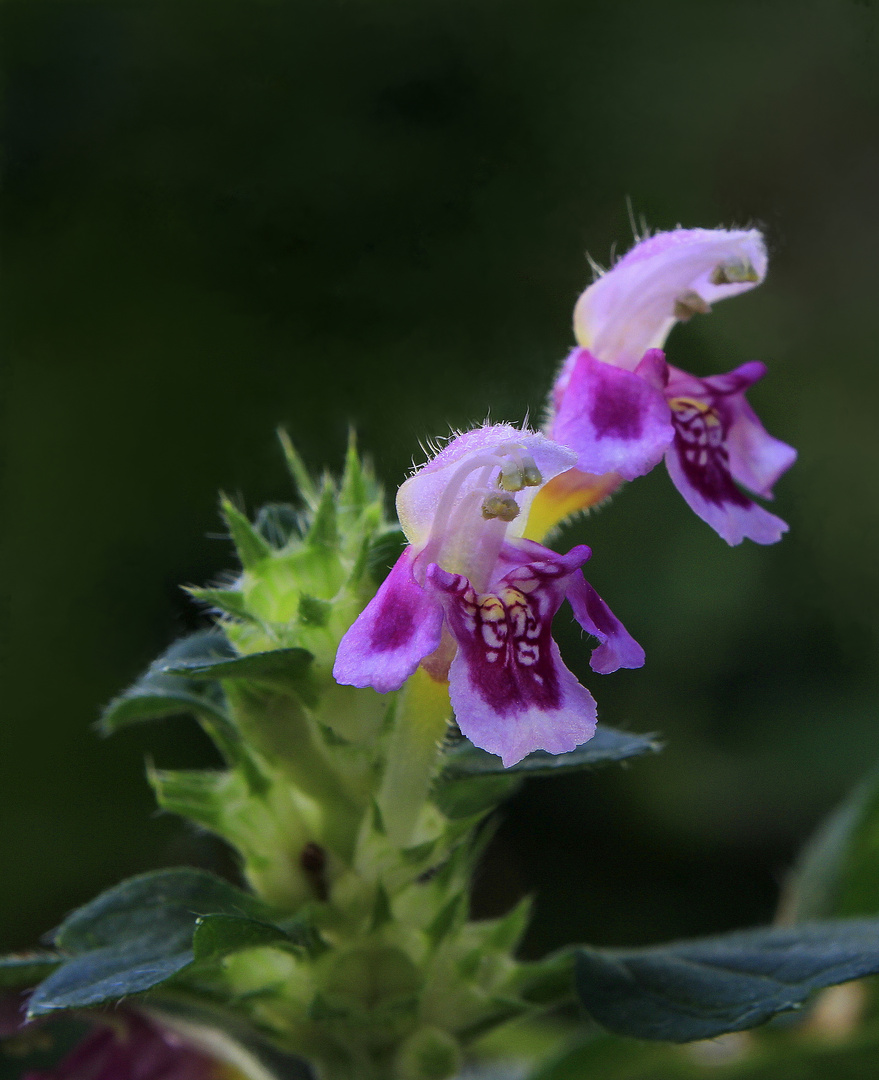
<point>252,548</point>
<point>26,969</point>
<point>699,989</point>
<point>229,601</point>
<point>472,781</point>
<point>217,936</point>
<point>353,491</point>
<point>301,476</point>
<point>136,936</point>
<point>465,760</point>
<point>323,532</point>
<point>838,870</point>
<point>284,664</point>
<point>156,693</point>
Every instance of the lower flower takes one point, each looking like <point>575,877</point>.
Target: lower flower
<point>479,614</point>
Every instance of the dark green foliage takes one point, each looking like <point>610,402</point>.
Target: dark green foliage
<point>607,745</point>
<point>140,933</point>
<point>274,666</point>
<point>699,989</point>
<point>157,693</point>
<point>216,936</point>
<point>472,780</point>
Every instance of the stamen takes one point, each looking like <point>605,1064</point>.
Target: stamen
<point>511,478</point>
<point>500,505</point>
<point>532,476</point>
<point>734,272</point>
<point>526,472</point>
<point>690,303</point>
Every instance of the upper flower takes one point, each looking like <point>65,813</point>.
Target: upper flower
<point>619,404</point>
<point>664,279</point>
<point>473,601</point>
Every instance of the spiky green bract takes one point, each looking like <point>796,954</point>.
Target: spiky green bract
<point>330,797</point>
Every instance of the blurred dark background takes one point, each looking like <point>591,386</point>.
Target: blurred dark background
<point>218,217</point>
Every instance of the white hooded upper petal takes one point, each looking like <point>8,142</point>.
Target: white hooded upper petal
<point>455,469</point>
<point>632,307</point>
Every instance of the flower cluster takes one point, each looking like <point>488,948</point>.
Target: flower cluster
<point>353,946</point>
<point>472,597</point>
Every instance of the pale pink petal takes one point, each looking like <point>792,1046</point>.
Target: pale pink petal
<point>670,276</point>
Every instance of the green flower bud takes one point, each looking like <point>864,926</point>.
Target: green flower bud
<point>428,1054</point>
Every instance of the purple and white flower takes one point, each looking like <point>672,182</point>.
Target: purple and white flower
<point>472,601</point>
<point>622,408</point>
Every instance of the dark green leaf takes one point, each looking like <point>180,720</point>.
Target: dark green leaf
<point>217,936</point>
<point>473,781</point>
<point>136,936</point>
<point>26,969</point>
<point>464,759</point>
<point>277,664</point>
<point>251,546</point>
<point>156,693</point>
<point>699,989</point>
<point>607,745</point>
<point>838,871</point>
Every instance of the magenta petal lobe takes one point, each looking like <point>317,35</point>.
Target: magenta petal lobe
<point>615,419</point>
<point>399,627</point>
<point>618,648</point>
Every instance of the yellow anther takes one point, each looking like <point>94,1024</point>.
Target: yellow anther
<point>501,506</point>
<point>510,478</point>
<point>688,304</point>
<point>734,272</point>
<point>531,476</point>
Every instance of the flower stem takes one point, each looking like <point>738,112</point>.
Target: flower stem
<point>413,748</point>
